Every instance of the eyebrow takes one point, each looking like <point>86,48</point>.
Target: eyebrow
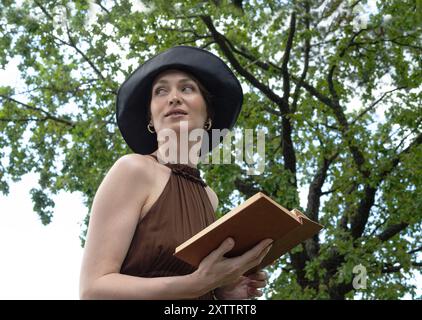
<point>181,80</point>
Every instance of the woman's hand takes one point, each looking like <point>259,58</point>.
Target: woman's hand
<point>246,287</point>
<point>215,270</point>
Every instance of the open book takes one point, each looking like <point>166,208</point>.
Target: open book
<point>258,218</point>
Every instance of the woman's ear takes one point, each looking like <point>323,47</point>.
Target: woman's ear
<point>149,116</point>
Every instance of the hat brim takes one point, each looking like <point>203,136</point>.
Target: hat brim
<point>134,94</point>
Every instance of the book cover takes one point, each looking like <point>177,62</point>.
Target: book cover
<point>256,219</point>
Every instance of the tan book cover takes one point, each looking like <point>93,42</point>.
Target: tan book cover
<point>258,218</point>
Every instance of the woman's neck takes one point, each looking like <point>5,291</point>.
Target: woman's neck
<point>180,157</point>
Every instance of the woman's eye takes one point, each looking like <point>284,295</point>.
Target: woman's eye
<point>188,87</point>
<point>161,90</point>
<point>158,90</point>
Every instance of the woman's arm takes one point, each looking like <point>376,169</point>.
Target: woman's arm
<point>114,217</point>
<point>120,286</point>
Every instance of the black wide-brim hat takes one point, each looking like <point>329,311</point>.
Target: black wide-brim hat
<point>134,94</point>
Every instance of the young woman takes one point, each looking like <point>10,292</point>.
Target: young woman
<point>145,208</point>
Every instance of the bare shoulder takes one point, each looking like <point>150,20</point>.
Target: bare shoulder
<point>126,184</point>
<point>213,197</point>
<point>134,163</point>
<point>137,166</point>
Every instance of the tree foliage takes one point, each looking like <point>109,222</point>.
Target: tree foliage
<point>335,84</point>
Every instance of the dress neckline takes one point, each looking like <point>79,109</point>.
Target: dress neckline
<point>184,170</point>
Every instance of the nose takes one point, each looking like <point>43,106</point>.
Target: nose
<point>175,99</point>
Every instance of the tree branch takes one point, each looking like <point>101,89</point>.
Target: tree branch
<point>341,118</point>
<point>324,42</point>
<point>396,160</point>
<point>221,42</point>
<point>306,59</point>
<point>373,105</point>
<point>207,44</point>
<point>344,220</point>
<point>314,198</point>
<point>98,2</point>
<point>72,43</point>
<point>377,227</point>
<point>315,187</point>
<point>298,263</point>
<point>246,187</point>
<point>330,76</point>
<point>314,92</point>
<point>270,110</point>
<point>360,219</point>
<point>415,250</point>
<point>254,60</point>
<point>344,127</point>
<point>287,146</point>
<point>284,67</point>
<point>47,114</point>
<point>22,119</point>
<point>334,104</point>
<point>192,31</point>
<point>84,56</point>
<point>391,231</point>
<point>44,10</point>
<point>402,141</point>
<point>324,193</point>
<point>390,40</point>
<point>388,268</point>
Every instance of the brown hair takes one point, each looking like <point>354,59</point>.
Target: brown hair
<point>204,92</point>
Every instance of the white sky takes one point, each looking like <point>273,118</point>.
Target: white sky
<point>39,262</point>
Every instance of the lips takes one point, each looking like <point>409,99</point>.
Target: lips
<point>175,111</point>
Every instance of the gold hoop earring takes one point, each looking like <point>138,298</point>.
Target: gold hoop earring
<point>208,125</point>
<point>149,126</point>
